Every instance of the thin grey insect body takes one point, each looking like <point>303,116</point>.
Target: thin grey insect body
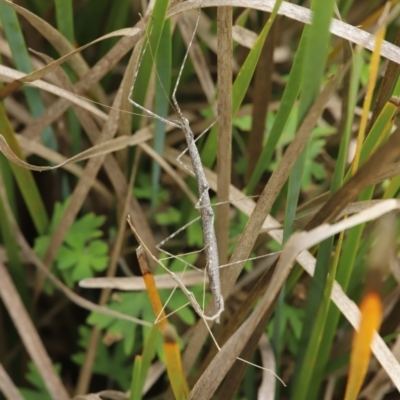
<point>207,216</point>
<point>204,203</point>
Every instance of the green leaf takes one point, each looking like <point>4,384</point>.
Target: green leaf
<point>24,177</point>
<point>127,303</point>
<point>161,103</point>
<point>110,361</point>
<point>79,256</point>
<point>149,351</point>
<point>172,216</point>
<point>136,385</point>
<point>83,259</point>
<point>65,18</point>
<point>40,391</point>
<point>154,32</point>
<point>84,229</point>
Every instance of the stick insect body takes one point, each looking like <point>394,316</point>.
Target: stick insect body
<point>204,203</point>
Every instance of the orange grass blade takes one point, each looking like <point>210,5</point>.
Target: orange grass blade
<point>151,288</point>
<point>171,349</point>
<point>371,315</point>
<point>174,364</point>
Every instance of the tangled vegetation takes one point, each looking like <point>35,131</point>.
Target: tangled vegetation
<point>108,280</point>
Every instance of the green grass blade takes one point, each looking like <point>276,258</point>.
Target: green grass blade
<point>65,19</point>
<point>378,134</point>
<point>8,184</point>
<point>161,102</point>
<point>296,78</point>
<point>323,258</point>
<point>149,352</point>
<point>242,81</point>
<point>136,392</point>
<point>154,32</point>
<point>289,97</point>
<point>341,162</point>
<point>15,265</point>
<point>39,7</point>
<point>240,86</point>
<point>345,268</point>
<point>117,18</point>
<point>65,24</point>
<point>24,178</point>
<point>20,54</point>
<point>305,381</point>
<point>317,42</point>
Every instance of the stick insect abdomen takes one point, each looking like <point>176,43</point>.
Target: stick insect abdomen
<point>207,221</point>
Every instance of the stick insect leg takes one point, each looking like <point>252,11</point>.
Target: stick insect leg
<point>149,112</point>
<point>207,215</point>
<point>194,302</point>
<point>178,110</point>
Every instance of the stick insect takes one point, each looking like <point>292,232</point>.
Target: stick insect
<point>204,202</point>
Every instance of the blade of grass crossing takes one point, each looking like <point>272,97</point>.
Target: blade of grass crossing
<point>344,271</point>
<point>305,381</point>
<point>289,97</point>
<point>240,86</point>
<point>317,38</point>
<point>20,54</point>
<point>317,42</point>
<point>161,102</point>
<point>65,24</point>
<point>117,18</point>
<point>323,258</point>
<point>153,35</point>
<point>349,254</point>
<point>24,178</point>
<point>353,83</point>
<point>337,182</point>
<point>394,184</point>
<point>378,134</point>
<point>374,66</point>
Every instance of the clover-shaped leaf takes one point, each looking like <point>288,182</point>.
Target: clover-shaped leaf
<point>84,229</point>
<point>83,259</point>
<point>80,255</point>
